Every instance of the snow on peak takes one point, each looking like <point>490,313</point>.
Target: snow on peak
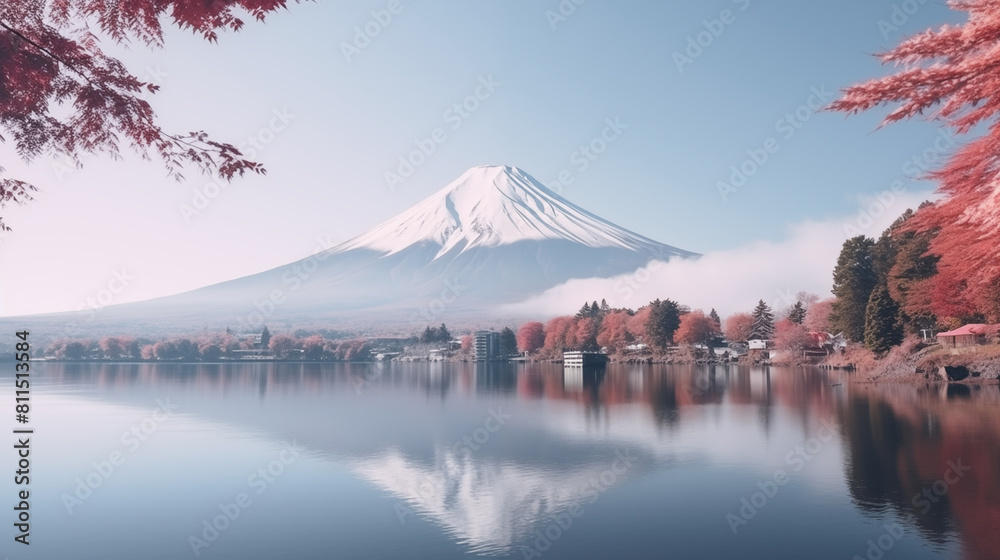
<point>494,205</point>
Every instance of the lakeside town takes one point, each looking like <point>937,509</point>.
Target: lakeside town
<point>660,332</point>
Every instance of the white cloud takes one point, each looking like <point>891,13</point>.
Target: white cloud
<point>734,280</point>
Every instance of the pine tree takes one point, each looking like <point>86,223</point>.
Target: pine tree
<point>664,318</point>
<point>442,334</point>
<point>854,278</point>
<point>605,308</point>
<point>595,310</point>
<point>265,337</point>
<point>584,311</point>
<point>715,317</point>
<point>763,322</point>
<point>508,342</point>
<point>882,325</point>
<point>798,313</point>
<point>910,278</point>
<point>429,335</point>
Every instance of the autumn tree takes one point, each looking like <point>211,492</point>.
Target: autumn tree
<point>614,333</point>
<point>555,334</point>
<point>113,348</point>
<point>696,328</point>
<point>763,322</point>
<point>75,350</point>
<point>530,337</point>
<point>209,351</point>
<point>314,347</point>
<point>281,345</point>
<point>166,350</point>
<point>854,278</point>
<point>950,75</point>
<point>60,94</point>
<point>187,350</point>
<point>739,327</point>
<point>584,334</point>
<point>882,327</point>
<point>636,324</point>
<point>818,316</point>
<point>790,336</point>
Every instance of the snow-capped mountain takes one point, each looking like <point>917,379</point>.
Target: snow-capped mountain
<point>493,236</point>
<point>489,206</point>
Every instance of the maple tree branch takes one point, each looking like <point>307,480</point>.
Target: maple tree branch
<point>177,139</point>
<point>46,52</point>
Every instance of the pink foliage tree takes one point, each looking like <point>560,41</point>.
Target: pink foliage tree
<point>738,327</point>
<point>530,337</point>
<point>951,75</point>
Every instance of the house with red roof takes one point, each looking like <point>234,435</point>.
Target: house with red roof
<point>972,334</point>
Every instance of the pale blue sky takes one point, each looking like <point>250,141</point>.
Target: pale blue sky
<point>353,120</point>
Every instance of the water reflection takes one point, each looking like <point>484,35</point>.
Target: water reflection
<point>400,428</point>
<point>906,440</point>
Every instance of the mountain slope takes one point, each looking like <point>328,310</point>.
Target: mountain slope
<point>493,236</point>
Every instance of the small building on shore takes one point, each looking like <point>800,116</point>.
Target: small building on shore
<point>973,334</point>
<point>584,359</point>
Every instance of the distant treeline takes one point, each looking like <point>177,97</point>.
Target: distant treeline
<point>210,347</point>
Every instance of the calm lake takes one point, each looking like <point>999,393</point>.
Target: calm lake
<point>441,461</point>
